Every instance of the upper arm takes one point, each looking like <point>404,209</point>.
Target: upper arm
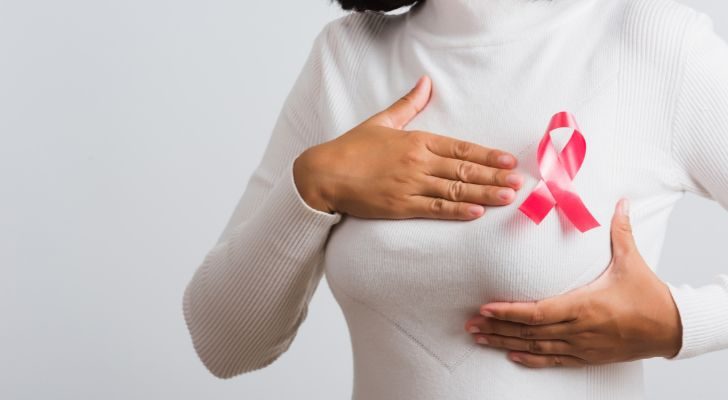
<point>296,128</point>
<point>700,128</point>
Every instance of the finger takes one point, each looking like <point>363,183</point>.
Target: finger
<point>463,150</point>
<point>467,192</point>
<point>561,331</point>
<point>401,112</point>
<point>468,171</point>
<point>439,208</point>
<point>621,229</point>
<point>562,308</point>
<point>543,361</point>
<point>532,346</point>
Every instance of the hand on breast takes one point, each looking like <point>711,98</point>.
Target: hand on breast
<point>624,315</point>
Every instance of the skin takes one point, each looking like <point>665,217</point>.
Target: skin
<point>378,169</point>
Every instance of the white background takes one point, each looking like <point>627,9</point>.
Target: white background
<point>129,130</point>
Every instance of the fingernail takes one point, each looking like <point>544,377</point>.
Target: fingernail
<point>505,159</point>
<point>514,179</point>
<point>481,340</point>
<point>476,210</point>
<point>516,358</point>
<point>485,313</point>
<point>505,194</point>
<point>625,207</point>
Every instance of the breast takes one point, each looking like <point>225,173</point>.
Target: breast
<point>427,277</point>
<point>502,255</point>
<point>435,263</point>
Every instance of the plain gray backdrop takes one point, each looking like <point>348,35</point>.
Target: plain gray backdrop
<point>129,130</point>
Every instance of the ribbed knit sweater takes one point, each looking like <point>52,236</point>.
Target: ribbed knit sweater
<point>647,81</point>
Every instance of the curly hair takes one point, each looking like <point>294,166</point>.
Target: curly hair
<point>375,5</point>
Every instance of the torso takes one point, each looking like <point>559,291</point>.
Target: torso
<point>407,287</point>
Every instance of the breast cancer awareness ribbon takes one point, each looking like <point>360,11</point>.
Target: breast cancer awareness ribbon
<point>557,172</point>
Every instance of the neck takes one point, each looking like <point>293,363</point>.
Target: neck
<point>473,20</point>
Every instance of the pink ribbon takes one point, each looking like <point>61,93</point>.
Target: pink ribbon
<point>557,172</point>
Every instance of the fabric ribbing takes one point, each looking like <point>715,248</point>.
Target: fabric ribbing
<point>700,146</point>
<point>648,79</point>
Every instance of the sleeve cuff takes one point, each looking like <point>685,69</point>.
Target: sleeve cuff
<point>704,317</point>
<point>298,207</point>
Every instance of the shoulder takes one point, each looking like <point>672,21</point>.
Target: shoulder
<point>324,92</point>
<point>339,50</point>
<point>344,39</point>
<point>356,25</point>
<point>659,13</point>
<point>336,50</point>
<point>660,26</point>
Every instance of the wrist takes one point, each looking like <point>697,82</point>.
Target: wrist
<point>308,182</point>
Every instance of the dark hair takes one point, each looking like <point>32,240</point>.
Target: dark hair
<point>375,5</point>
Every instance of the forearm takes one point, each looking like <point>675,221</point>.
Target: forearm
<point>244,304</point>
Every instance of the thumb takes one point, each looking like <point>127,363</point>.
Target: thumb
<point>621,229</point>
<point>407,107</point>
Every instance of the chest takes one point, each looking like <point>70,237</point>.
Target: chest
<point>502,255</point>
<point>427,277</point>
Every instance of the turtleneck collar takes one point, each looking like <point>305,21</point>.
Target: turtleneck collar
<point>472,22</point>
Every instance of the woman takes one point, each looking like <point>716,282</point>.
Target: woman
<point>414,214</point>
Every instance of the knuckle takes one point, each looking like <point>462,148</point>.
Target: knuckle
<point>417,141</point>
<point>403,179</point>
<point>418,138</point>
<point>537,315</point>
<point>526,332</point>
<point>437,206</point>
<point>557,361</point>
<point>391,202</point>
<point>625,253</point>
<point>585,336</point>
<point>493,177</point>
<point>407,101</point>
<point>414,156</point>
<point>582,309</point>
<point>462,150</point>
<point>464,171</point>
<point>456,190</point>
<point>534,346</point>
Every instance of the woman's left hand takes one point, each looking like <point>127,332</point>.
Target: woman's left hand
<point>626,314</point>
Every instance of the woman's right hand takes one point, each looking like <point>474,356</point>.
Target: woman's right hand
<point>379,170</point>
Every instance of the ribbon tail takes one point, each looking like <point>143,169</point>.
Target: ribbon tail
<point>574,209</point>
<point>538,203</point>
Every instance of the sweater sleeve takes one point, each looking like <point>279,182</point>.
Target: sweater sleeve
<point>700,147</point>
<point>247,298</point>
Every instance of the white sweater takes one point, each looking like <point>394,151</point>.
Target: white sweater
<point>647,81</point>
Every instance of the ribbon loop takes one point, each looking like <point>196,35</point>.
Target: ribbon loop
<point>557,172</point>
